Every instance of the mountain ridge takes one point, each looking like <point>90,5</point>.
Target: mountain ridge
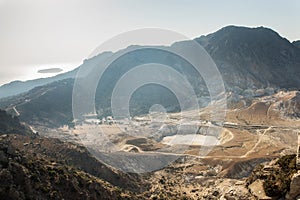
<point>249,60</point>
<point>18,87</point>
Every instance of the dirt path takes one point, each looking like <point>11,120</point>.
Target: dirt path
<point>129,148</point>
<point>257,143</point>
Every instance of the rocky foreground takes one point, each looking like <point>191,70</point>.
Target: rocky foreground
<point>40,168</point>
<point>34,167</point>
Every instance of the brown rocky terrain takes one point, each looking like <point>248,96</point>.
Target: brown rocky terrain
<point>36,167</point>
<point>276,179</point>
<point>33,167</point>
<point>279,109</point>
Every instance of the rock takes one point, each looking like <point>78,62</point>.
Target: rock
<point>216,193</point>
<point>294,192</point>
<point>259,93</point>
<point>25,144</point>
<point>3,158</point>
<point>4,136</point>
<point>257,189</point>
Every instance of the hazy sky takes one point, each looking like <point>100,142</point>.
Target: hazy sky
<point>41,34</point>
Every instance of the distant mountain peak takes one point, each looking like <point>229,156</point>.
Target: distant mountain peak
<point>240,34</point>
<point>244,28</point>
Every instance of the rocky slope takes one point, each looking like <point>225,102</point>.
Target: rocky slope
<point>11,125</point>
<point>281,108</point>
<point>34,167</point>
<point>50,104</point>
<point>291,107</point>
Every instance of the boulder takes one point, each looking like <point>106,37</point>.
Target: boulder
<point>294,192</point>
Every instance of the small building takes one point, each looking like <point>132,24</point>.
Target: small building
<point>91,119</point>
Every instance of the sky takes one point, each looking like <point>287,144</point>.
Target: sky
<point>45,34</point>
